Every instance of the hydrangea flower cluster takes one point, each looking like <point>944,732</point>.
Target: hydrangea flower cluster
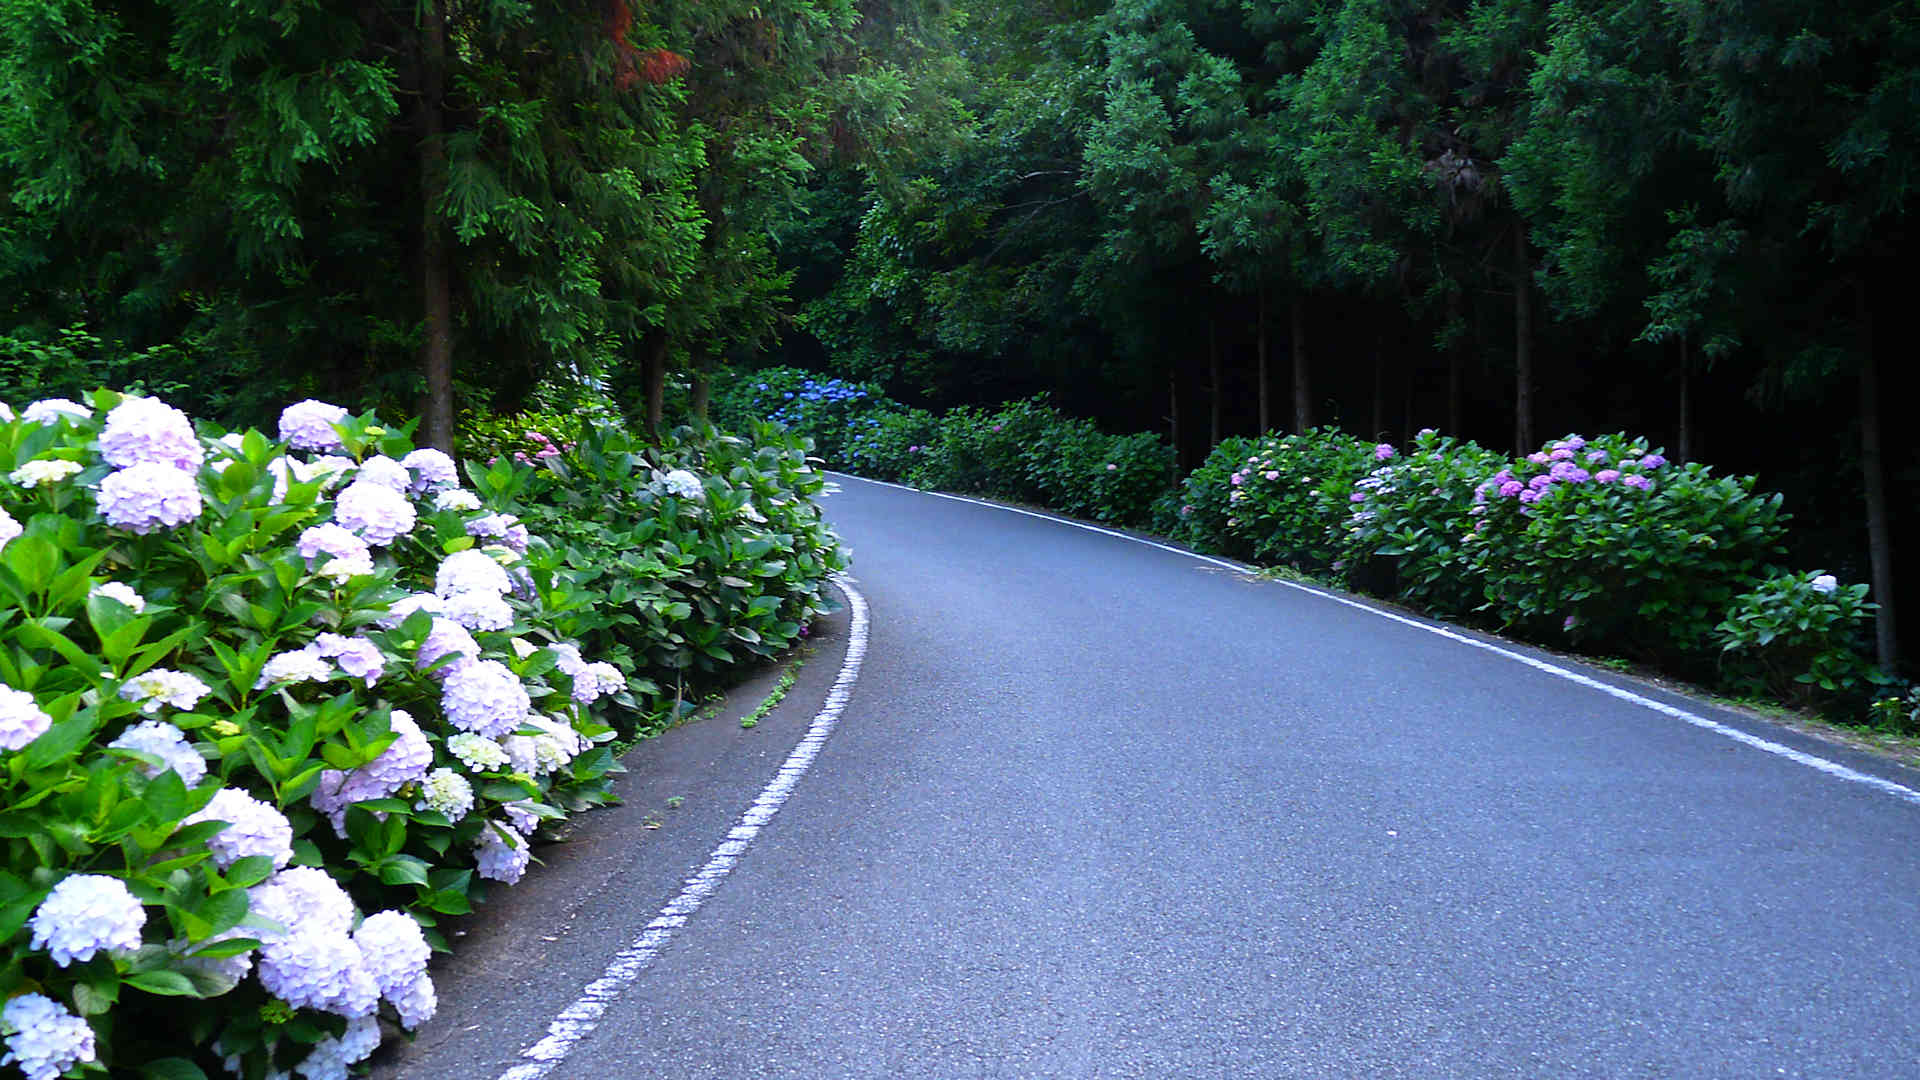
<point>299,665</point>
<point>9,528</point>
<point>348,556</point>
<point>169,744</point>
<point>300,896</point>
<point>444,638</point>
<point>316,967</point>
<point>683,484</point>
<point>433,470</point>
<point>149,495</point>
<point>477,752</point>
<point>143,431</point>
<point>383,470</point>
<point>43,1038</point>
<point>505,528</point>
<point>332,1057</point>
<point>378,513</point>
<point>53,410</point>
<point>155,687</point>
<point>253,828</point>
<point>22,720</point>
<point>484,697</point>
<point>1559,465</point>
<point>115,590</point>
<point>405,761</point>
<point>308,425</point>
<point>590,681</point>
<point>86,914</point>
<point>43,472</point>
<point>447,792</point>
<point>503,853</point>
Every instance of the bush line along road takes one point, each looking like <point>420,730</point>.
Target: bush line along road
<point>1100,809</point>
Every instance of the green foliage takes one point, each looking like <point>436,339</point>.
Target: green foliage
<point>1608,545</point>
<point>1285,501</point>
<point>831,413</point>
<point>1416,519</point>
<point>1799,638</point>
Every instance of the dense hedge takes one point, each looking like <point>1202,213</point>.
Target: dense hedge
<point>1594,544</point>
<point>273,707</point>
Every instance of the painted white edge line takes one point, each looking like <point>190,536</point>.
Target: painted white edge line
<point>1812,761</point>
<point>579,1019</point>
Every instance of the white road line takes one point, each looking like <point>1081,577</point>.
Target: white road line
<point>1812,761</point>
<point>578,1020</point>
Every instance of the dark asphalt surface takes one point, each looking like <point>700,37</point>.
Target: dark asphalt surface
<point>1099,810</point>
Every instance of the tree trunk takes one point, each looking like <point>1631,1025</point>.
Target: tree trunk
<point>1522,342</point>
<point>1874,481</point>
<point>1213,384</point>
<point>1173,417</point>
<point>1260,331</point>
<point>1302,389</point>
<point>653,370</point>
<point>436,286</point>
<point>1686,404</point>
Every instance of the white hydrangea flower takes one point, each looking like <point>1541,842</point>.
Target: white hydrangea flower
<point>523,648</point>
<point>43,471</point>
<point>456,499</point>
<point>477,752</point>
<point>6,412</point>
<point>319,968</point>
<point>115,590</point>
<point>253,828</point>
<point>142,431</point>
<point>523,752</point>
<point>9,528</point>
<point>378,514</point>
<point>684,484</point>
<point>447,792</point>
<point>383,470</point>
<point>22,720</point>
<point>43,1038</point>
<point>85,914</point>
<point>169,744</point>
<point>333,1057</point>
<point>155,687</point>
<point>299,896</point>
<point>308,425</point>
<point>503,854</point>
<point>299,665</point>
<point>607,679</point>
<point>1825,584</point>
<point>397,952</point>
<point>433,468</point>
<point>348,555</point>
<point>50,410</point>
<point>485,697</point>
<point>149,495</point>
<point>470,571</point>
<point>478,610</point>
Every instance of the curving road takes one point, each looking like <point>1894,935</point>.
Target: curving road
<point>1099,809</point>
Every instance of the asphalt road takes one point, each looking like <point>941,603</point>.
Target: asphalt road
<point>1096,809</point>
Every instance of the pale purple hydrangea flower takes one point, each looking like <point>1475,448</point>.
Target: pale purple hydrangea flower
<point>445,637</point>
<point>1607,476</point>
<point>1595,457</point>
<point>405,760</point>
<point>1271,474</point>
<point>398,611</point>
<point>478,610</point>
<point>300,665</point>
<point>253,828</point>
<point>1570,473</point>
<point>1538,457</point>
<point>502,858</point>
<point>432,469</point>
<point>22,720</point>
<point>447,792</point>
<point>1652,461</point>
<point>379,514</point>
<point>114,590</point>
<point>357,656</point>
<point>417,1004</point>
<point>485,697</point>
<point>1561,454</point>
<point>300,896</point>
<point>155,687</point>
<point>348,556</point>
<point>229,968</point>
<point>44,1040</point>
<point>169,744</point>
<point>1825,584</point>
<point>332,1057</point>
<point>1358,496</point>
<point>397,952</point>
<point>52,410</point>
<point>1531,495</point>
<point>521,817</point>
<point>1541,482</point>
<point>9,528</point>
<point>1512,488</point>
<point>1383,451</point>
<point>456,499</point>
<point>148,431</point>
<point>1635,480</point>
<point>606,678</point>
<point>383,470</point>
<point>308,425</point>
<point>141,497</point>
<point>505,528</point>
<point>319,968</point>
<point>470,571</point>
<point>86,914</point>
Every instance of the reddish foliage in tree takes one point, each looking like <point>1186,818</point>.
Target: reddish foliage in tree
<point>631,65</point>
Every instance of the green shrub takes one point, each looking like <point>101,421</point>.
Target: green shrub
<point>1289,500</point>
<point>1415,516</point>
<point>1609,545</point>
<point>885,443</point>
<point>1206,499</point>
<point>1800,638</point>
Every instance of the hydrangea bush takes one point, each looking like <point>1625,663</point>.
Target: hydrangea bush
<point>842,418</point>
<point>270,708</point>
<point>1414,514</point>
<point>1280,499</point>
<point>1800,638</point>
